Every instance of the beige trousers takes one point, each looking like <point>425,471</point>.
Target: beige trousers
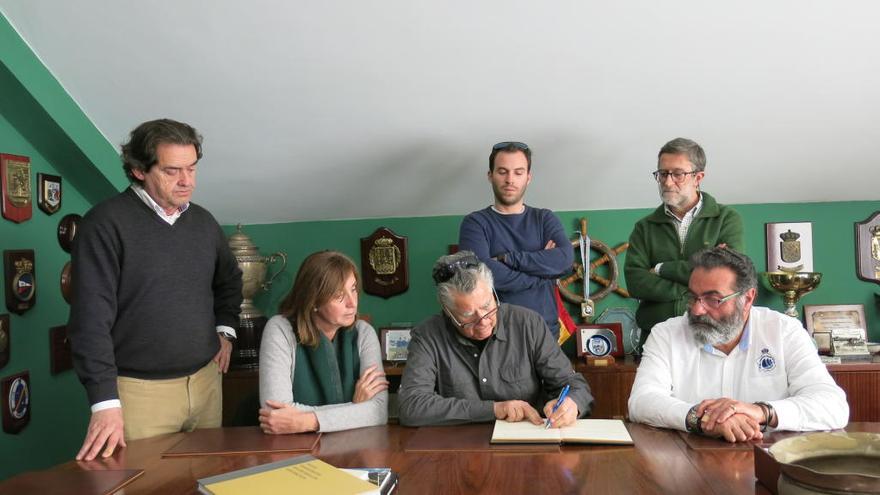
<point>154,407</point>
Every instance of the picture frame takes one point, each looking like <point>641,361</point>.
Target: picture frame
<point>827,318</point>
<point>867,243</point>
<point>395,342</point>
<point>789,246</point>
<point>598,340</point>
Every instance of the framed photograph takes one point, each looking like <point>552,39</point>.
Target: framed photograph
<point>834,317</point>
<point>600,340</point>
<point>789,247</point>
<point>395,342</point>
<point>868,248</point>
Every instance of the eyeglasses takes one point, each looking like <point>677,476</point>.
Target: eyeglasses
<point>471,324</point>
<point>677,176</point>
<point>443,273</point>
<point>510,144</point>
<point>710,302</point>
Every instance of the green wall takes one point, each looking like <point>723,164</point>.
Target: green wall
<point>429,237</point>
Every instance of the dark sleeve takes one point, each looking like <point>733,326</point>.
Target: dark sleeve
<point>96,265</point>
<point>546,263</point>
<point>730,233</point>
<point>556,371</point>
<point>227,285</point>
<point>640,281</point>
<point>472,237</point>
<point>421,404</point>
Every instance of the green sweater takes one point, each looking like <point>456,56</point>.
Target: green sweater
<point>655,240</point>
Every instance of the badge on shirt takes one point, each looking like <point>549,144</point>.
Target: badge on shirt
<point>766,363</point>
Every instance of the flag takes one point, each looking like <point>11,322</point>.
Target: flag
<point>566,324</point>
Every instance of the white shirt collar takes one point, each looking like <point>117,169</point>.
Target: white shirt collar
<point>146,198</point>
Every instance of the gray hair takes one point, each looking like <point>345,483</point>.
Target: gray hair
<point>459,273</point>
<point>684,146</point>
<point>740,264</point>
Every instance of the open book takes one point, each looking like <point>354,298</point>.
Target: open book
<point>603,431</point>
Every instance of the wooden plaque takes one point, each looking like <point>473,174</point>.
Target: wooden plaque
<point>49,193</point>
<point>384,263</point>
<point>67,230</point>
<point>5,340</point>
<point>20,280</point>
<point>66,282</point>
<point>868,248</point>
<point>16,402</point>
<point>15,176</point>
<point>60,357</point>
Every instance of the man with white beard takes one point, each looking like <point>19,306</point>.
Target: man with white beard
<point>729,369</point>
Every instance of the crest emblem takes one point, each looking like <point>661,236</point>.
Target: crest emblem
<point>384,256</point>
<point>790,247</point>
<point>766,363</point>
<point>20,279</point>
<point>15,173</point>
<point>599,345</point>
<point>49,187</point>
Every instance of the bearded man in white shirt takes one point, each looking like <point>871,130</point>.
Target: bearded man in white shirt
<point>729,369</point>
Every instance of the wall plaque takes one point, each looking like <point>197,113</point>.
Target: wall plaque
<point>67,230</point>
<point>20,279</point>
<point>5,340</point>
<point>15,176</point>
<point>49,193</point>
<point>868,248</point>
<point>384,263</point>
<point>789,247</point>
<point>16,402</point>
<point>60,357</point>
<point>66,282</point>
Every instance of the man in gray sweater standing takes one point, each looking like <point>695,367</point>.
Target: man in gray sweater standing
<point>156,298</point>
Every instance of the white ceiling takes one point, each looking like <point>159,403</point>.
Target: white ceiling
<point>351,109</point>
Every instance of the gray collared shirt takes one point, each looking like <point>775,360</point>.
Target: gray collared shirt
<point>449,381</point>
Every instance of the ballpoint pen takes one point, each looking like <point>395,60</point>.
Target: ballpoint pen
<point>562,396</point>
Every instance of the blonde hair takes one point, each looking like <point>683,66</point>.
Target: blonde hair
<point>320,278</point>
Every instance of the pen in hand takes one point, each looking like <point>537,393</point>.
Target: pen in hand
<point>559,401</point>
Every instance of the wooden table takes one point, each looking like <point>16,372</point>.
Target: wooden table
<point>660,462</point>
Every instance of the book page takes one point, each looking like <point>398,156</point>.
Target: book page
<point>523,432</point>
<point>611,431</point>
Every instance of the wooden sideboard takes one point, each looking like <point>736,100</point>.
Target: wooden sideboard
<point>611,385</point>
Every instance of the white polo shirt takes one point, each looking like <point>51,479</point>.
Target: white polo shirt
<point>775,362</point>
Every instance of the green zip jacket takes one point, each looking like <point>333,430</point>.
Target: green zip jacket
<point>655,240</point>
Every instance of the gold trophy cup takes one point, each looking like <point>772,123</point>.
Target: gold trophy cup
<point>792,286</point>
<point>254,266</point>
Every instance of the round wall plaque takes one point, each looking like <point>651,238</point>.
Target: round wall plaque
<point>66,283</point>
<point>67,230</point>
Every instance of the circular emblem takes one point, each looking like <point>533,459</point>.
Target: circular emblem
<point>19,398</point>
<point>599,345</point>
<point>766,362</point>
<point>23,286</point>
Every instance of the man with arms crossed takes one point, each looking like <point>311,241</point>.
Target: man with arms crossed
<point>729,369</point>
<point>480,360</point>
<point>526,248</point>
<point>657,267</point>
<point>156,297</point>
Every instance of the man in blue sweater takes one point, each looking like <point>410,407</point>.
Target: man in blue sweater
<point>156,297</point>
<point>526,248</point>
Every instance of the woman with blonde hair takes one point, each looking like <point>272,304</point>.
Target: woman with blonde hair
<point>320,367</point>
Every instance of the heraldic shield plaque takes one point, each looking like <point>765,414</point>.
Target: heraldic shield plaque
<point>49,193</point>
<point>384,263</point>
<point>20,279</point>
<point>15,175</point>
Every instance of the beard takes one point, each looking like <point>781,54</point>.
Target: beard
<point>708,330</point>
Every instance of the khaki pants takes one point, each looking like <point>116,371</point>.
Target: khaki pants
<point>154,407</point>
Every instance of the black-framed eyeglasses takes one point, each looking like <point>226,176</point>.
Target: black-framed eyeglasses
<point>710,302</point>
<point>445,272</point>
<point>471,324</point>
<point>677,175</point>
<point>510,144</point>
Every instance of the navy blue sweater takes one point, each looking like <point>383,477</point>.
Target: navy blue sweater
<point>529,272</point>
<point>148,295</point>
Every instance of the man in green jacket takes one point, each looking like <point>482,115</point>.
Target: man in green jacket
<point>657,267</point>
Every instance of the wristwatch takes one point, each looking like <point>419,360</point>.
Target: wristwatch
<point>692,422</point>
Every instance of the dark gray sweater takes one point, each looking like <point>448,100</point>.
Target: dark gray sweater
<point>148,295</point>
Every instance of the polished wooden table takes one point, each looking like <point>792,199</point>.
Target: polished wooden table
<point>661,461</point>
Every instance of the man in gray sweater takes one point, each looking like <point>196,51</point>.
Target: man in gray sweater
<point>156,298</point>
<point>480,360</point>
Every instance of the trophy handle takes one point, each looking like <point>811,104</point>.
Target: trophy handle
<point>272,259</point>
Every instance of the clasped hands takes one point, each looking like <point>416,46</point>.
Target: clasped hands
<point>734,420</point>
<point>278,417</point>
<point>518,410</point>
